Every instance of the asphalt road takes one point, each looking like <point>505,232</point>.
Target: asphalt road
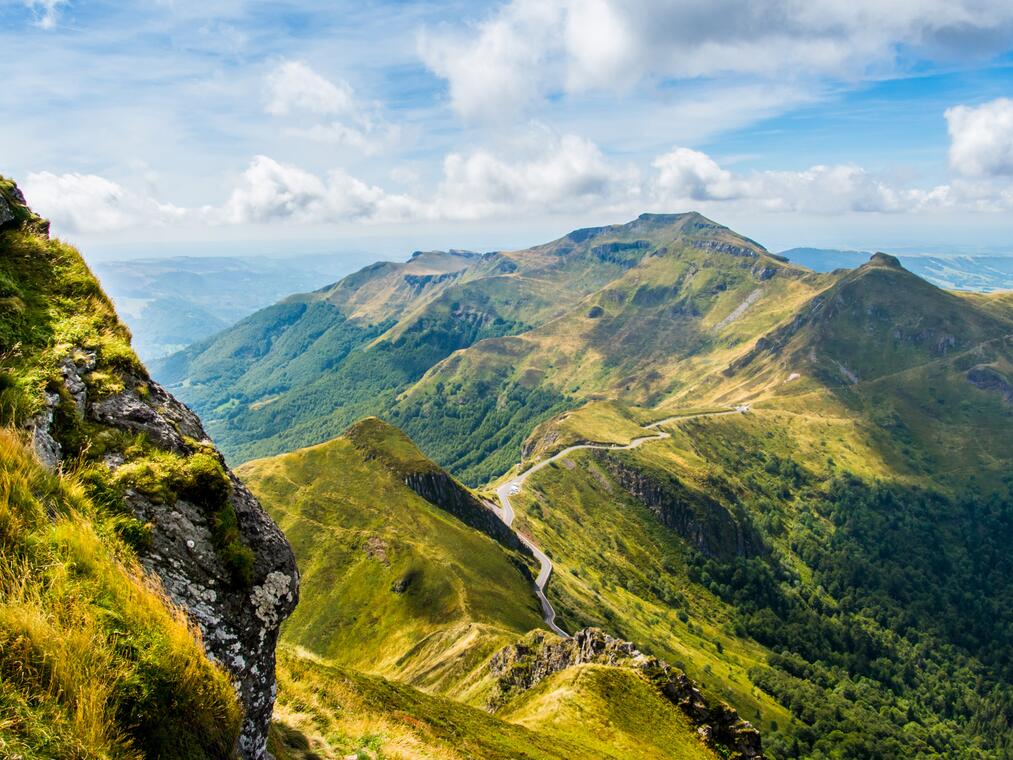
<point>505,510</point>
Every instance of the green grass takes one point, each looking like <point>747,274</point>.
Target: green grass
<point>856,574</point>
<point>391,583</point>
<point>94,661</point>
<point>580,705</point>
<point>330,712</point>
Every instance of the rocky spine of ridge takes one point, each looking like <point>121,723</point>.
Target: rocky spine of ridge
<point>430,481</point>
<point>439,488</point>
<point>239,623</point>
<point>521,666</point>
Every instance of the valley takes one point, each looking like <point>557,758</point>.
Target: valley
<point>702,504</point>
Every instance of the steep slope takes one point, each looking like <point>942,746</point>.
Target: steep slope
<point>470,362</point>
<point>404,584</point>
<point>71,386</point>
<point>926,371</point>
<point>849,569</point>
<point>94,661</point>
<point>416,579</point>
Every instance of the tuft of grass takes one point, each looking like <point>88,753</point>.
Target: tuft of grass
<point>94,660</point>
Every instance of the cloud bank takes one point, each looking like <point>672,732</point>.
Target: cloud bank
<point>542,173</point>
<point>528,50</point>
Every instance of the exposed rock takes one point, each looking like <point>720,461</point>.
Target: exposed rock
<point>989,379</point>
<point>418,282</point>
<point>521,666</point>
<point>6,212</point>
<point>159,416</point>
<point>439,488</point>
<point>702,522</point>
<point>722,247</point>
<point>47,448</point>
<point>239,625</point>
<point>622,254</point>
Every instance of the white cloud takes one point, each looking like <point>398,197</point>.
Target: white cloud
<point>47,11</point>
<point>981,139</point>
<point>552,174</point>
<point>296,90</point>
<point>492,69</point>
<point>687,177</point>
<point>90,203</point>
<point>294,87</point>
<point>271,191</point>
<point>527,49</point>
<point>369,140</point>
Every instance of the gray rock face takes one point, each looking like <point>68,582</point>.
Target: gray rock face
<point>239,625</point>
<point>440,489</point>
<point>6,212</point>
<point>703,523</point>
<point>521,666</point>
<point>988,378</point>
<point>46,447</point>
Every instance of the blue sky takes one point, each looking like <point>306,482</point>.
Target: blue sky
<point>174,126</point>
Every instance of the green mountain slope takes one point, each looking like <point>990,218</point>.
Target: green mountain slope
<point>406,586</point>
<point>115,513</point>
<point>393,581</point>
<point>602,310</point>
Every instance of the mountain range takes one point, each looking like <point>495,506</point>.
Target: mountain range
<point>645,491</point>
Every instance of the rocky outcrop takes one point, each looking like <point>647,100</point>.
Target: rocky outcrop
<point>720,246</point>
<point>703,523</point>
<point>621,254</point>
<point>988,378</point>
<point>239,622</point>
<point>523,665</point>
<point>6,212</point>
<point>440,489</point>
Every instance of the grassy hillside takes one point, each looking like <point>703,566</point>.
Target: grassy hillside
<point>331,712</point>
<point>392,583</point>
<point>394,586</point>
<point>468,361</point>
<point>94,660</point>
<point>780,560</point>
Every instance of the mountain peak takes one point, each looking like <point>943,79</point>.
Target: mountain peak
<point>884,260</point>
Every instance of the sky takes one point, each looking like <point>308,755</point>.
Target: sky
<point>167,127</point>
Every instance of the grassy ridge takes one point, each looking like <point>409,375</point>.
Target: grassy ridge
<point>391,583</point>
<point>330,712</point>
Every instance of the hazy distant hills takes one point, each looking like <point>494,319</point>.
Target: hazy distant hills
<point>980,272</point>
<point>170,303</point>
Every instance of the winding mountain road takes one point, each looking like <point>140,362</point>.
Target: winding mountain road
<point>512,487</point>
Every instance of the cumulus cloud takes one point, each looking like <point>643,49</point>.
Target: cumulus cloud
<point>687,177</point>
<point>294,87</point>
<point>492,69</point>
<point>527,49</point>
<point>556,174</point>
<point>90,203</point>
<point>271,191</point>
<point>981,139</point>
<point>295,90</point>
<point>46,11</point>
